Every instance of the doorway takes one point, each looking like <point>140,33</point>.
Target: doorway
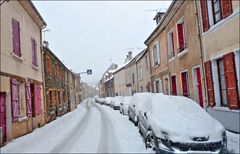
<point>197,83</point>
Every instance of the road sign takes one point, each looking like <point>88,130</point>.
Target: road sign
<point>89,72</point>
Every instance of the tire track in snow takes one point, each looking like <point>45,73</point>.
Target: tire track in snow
<point>108,142</point>
<point>82,123</point>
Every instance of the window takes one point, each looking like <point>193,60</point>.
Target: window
<point>50,99</point>
<point>221,80</point>
<point>181,36</point>
<point>140,73</point>
<point>146,61</point>
<point>174,85</point>
<point>141,89</point>
<point>16,38</point>
<point>56,70</point>
<point>63,73</point>
<point>133,78</point>
<point>214,11</point>
<point>185,85</point>
<point>155,55</point>
<point>49,64</point>
<point>34,52</point>
<point>171,52</point>
<point>158,86</point>
<point>216,8</point>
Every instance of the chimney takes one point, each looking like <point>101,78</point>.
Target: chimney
<point>45,44</point>
<point>130,55</point>
<point>158,17</point>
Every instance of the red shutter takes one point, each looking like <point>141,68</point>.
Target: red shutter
<point>231,81</point>
<point>209,80</point>
<point>184,84</point>
<point>15,100</point>
<point>204,12</point>
<point>28,99</point>
<point>226,8</point>
<point>180,37</point>
<point>16,37</point>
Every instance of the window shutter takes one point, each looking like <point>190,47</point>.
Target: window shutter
<point>174,86</point>
<point>158,53</point>
<point>204,12</point>
<point>34,52</point>
<point>180,37</point>
<point>226,8</point>
<point>29,99</point>
<point>16,37</point>
<point>184,84</point>
<point>231,81</point>
<point>15,100</point>
<point>172,44</point>
<point>37,93</point>
<point>209,80</point>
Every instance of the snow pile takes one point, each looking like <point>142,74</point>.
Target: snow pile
<point>180,119</point>
<point>233,142</point>
<point>44,139</point>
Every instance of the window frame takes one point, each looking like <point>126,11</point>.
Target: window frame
<point>170,40</point>
<point>214,11</point>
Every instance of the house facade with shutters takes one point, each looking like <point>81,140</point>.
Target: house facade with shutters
<point>219,22</point>
<point>56,85</point>
<point>158,62</point>
<point>21,74</point>
<point>184,51</point>
<point>143,72</point>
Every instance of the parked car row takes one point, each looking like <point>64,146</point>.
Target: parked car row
<point>173,124</point>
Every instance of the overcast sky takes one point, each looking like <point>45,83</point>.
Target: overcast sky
<point>91,34</point>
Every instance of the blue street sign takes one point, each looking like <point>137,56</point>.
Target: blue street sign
<point>89,72</point>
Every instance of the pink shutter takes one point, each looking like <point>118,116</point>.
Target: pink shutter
<point>28,99</point>
<point>38,99</point>
<point>34,52</point>
<point>15,100</point>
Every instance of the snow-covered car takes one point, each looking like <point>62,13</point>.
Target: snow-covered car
<point>108,100</point>
<point>176,124</point>
<point>124,105</point>
<point>115,103</point>
<point>100,100</point>
<point>136,102</point>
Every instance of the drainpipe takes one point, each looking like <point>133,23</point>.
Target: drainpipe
<point>43,76</point>
<point>201,52</point>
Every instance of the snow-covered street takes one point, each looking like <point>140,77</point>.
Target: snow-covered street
<point>90,128</point>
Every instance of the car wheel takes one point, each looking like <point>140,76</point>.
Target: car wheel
<point>149,142</point>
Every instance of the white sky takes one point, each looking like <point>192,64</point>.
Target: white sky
<point>89,34</point>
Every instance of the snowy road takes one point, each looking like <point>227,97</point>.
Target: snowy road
<point>90,128</point>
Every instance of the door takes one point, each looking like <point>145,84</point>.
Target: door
<point>166,86</point>
<point>174,86</point>
<point>184,84</point>
<point>222,82</point>
<point>3,116</point>
<point>199,86</point>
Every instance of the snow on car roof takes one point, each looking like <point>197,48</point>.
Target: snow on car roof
<point>181,118</point>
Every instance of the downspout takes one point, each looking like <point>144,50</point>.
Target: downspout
<point>43,76</point>
<point>201,53</point>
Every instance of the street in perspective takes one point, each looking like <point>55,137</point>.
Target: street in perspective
<point>120,76</point>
